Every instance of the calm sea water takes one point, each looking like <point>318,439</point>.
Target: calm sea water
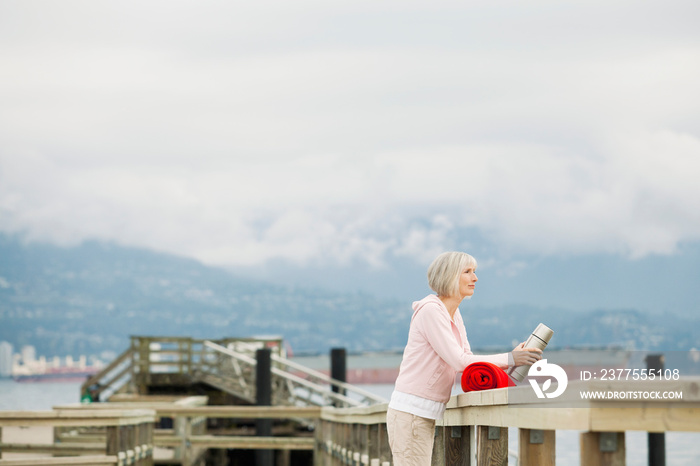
<point>37,396</point>
<point>682,449</point>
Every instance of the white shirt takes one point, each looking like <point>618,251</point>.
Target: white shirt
<point>417,405</point>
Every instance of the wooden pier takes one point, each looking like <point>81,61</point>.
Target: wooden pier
<point>178,401</point>
<point>474,431</point>
<point>126,437</point>
<point>222,369</point>
<point>200,399</point>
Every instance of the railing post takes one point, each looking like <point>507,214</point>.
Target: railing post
<point>364,443</point>
<point>131,443</point>
<point>334,443</point>
<point>457,448</point>
<point>384,449</point>
<point>139,441</point>
<point>132,367</point>
<point>144,372</point>
<point>342,441</point>
<point>182,351</point>
<point>438,458</point>
<point>656,441</point>
<point>451,446</point>
<point>603,449</point>
<point>537,447</point>
<point>373,442</point>
<point>150,432</point>
<point>114,440</point>
<point>263,397</point>
<point>185,446</point>
<point>318,446</point>
<point>202,358</point>
<point>348,444</point>
<point>492,446</point>
<point>355,447</point>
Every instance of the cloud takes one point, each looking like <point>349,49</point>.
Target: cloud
<point>524,198</point>
<point>356,131</point>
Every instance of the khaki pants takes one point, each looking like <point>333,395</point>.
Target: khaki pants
<point>410,438</point>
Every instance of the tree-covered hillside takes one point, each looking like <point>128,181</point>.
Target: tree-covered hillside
<point>89,298</point>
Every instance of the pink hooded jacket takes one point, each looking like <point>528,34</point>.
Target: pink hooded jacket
<point>437,349</point>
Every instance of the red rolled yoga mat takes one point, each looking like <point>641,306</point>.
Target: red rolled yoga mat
<point>484,376</point>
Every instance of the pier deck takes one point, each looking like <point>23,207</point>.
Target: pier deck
<point>193,403</point>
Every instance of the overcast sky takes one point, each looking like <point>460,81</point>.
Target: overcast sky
<point>337,132</point>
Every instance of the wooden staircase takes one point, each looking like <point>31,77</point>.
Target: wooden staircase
<point>153,364</point>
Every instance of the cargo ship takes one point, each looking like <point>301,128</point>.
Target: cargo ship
<point>56,374</point>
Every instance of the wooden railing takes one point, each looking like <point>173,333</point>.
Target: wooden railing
<point>174,359</point>
<point>193,443</point>
<point>112,379</point>
<point>474,430</point>
<point>187,441</point>
<point>293,384</point>
<point>127,439</point>
<point>227,364</point>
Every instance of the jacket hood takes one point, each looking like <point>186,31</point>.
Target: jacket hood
<point>417,305</point>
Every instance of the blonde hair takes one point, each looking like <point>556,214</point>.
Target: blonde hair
<point>444,272</point>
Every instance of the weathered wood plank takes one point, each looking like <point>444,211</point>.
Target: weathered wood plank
<point>603,449</point>
<point>373,441</point>
<point>138,402</point>
<point>384,448</point>
<point>138,398</point>
<point>61,418</point>
<point>631,416</point>
<point>240,442</point>
<point>63,448</point>
<point>81,438</point>
<point>650,418</point>
<point>67,460</point>
<point>113,365</point>
<point>492,450</point>
<point>511,416</point>
<point>374,414</point>
<point>243,412</point>
<point>438,457</point>
<point>457,448</point>
<point>537,447</point>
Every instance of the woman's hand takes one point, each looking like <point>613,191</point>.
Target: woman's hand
<point>526,356</point>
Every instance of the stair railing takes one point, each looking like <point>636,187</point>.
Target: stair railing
<point>294,384</point>
<point>112,379</point>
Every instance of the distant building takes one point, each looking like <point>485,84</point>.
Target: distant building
<point>5,359</point>
<point>28,355</point>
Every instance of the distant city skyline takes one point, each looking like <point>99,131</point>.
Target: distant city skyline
<point>26,361</point>
<point>6,353</point>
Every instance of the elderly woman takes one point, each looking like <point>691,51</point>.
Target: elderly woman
<point>437,349</point>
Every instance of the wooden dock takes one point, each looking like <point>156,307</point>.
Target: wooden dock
<point>222,369</point>
<point>202,405</point>
<point>126,437</point>
<point>474,431</point>
<point>176,401</point>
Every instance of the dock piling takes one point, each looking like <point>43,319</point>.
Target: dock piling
<point>263,397</point>
<point>656,441</point>
<point>338,369</point>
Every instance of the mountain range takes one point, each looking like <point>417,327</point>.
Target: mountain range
<point>88,299</point>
